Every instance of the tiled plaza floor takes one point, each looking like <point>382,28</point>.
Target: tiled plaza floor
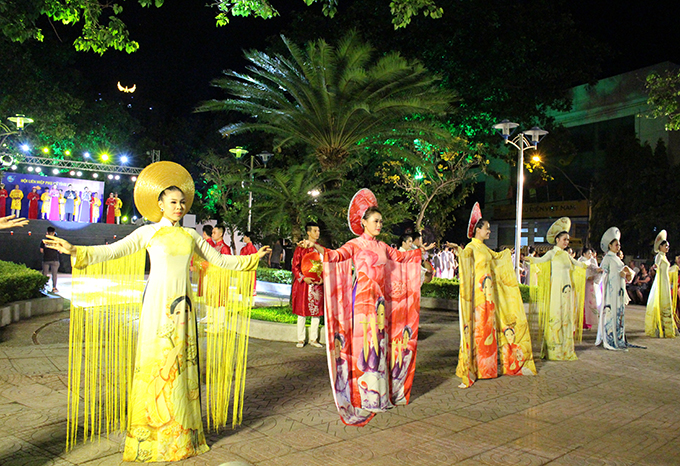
<point>607,408</point>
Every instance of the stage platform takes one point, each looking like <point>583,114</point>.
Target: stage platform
<point>23,245</point>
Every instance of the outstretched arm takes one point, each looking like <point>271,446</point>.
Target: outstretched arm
<point>248,262</point>
<point>82,256</point>
<point>545,258</point>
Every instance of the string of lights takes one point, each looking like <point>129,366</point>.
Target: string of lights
<point>57,164</point>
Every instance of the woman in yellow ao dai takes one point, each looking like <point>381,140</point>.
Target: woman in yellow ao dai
<point>559,294</point>
<point>493,324</point>
<point>164,411</point>
<point>659,320</point>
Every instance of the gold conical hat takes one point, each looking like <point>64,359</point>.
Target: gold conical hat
<point>153,180</point>
<point>562,224</point>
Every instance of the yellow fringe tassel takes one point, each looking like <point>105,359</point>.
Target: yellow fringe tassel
<point>540,304</point>
<point>578,278</point>
<point>673,276</point>
<point>227,305</point>
<point>102,339</point>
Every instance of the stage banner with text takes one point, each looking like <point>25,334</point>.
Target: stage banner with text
<point>26,182</point>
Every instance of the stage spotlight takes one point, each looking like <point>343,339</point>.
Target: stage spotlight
<point>7,160</point>
<point>134,178</point>
<point>55,171</point>
<point>105,157</point>
<point>68,152</point>
<point>30,169</point>
<point>25,148</point>
<point>79,173</point>
<point>38,169</point>
<point>117,177</point>
<point>86,155</point>
<point>124,159</point>
<point>46,150</point>
<point>14,167</point>
<point>110,177</point>
<point>72,173</point>
<point>95,175</point>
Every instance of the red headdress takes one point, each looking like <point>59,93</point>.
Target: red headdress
<point>361,201</point>
<point>475,216</point>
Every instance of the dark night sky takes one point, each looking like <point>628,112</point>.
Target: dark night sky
<point>181,49</point>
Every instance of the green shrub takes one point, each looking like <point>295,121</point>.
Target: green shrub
<point>18,282</point>
<point>524,289</point>
<point>441,288</point>
<point>444,288</point>
<point>275,275</point>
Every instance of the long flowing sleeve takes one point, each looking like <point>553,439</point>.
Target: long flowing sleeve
<point>89,255</point>
<point>673,276</point>
<point>243,263</point>
<point>577,263</point>
<point>296,265</point>
<point>403,256</point>
<point>466,311</point>
<point>544,258</point>
<point>540,295</point>
<point>343,253</point>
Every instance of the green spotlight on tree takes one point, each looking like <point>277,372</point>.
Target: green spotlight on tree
<point>68,152</point>
<point>105,157</point>
<point>46,150</point>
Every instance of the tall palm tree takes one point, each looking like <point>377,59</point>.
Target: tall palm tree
<point>333,98</point>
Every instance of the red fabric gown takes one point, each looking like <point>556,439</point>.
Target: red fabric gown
<point>372,326</point>
<point>33,199</point>
<point>110,210</point>
<point>3,202</point>
<point>247,250</point>
<point>222,247</point>
<point>307,300</point>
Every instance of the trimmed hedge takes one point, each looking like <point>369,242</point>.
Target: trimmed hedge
<point>441,288</point>
<point>275,275</point>
<point>18,282</point>
<point>444,288</point>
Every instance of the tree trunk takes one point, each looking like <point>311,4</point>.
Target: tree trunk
<point>331,157</point>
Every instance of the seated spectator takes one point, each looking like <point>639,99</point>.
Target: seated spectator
<point>639,288</point>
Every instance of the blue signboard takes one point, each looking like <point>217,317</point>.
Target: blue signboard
<point>69,201</point>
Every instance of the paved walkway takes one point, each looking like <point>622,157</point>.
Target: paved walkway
<point>608,408</point>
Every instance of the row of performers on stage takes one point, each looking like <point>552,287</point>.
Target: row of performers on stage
<point>56,205</point>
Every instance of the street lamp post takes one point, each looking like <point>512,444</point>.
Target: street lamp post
<point>523,141</point>
<point>239,152</point>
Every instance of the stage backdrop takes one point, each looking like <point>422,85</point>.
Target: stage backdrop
<point>27,181</point>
